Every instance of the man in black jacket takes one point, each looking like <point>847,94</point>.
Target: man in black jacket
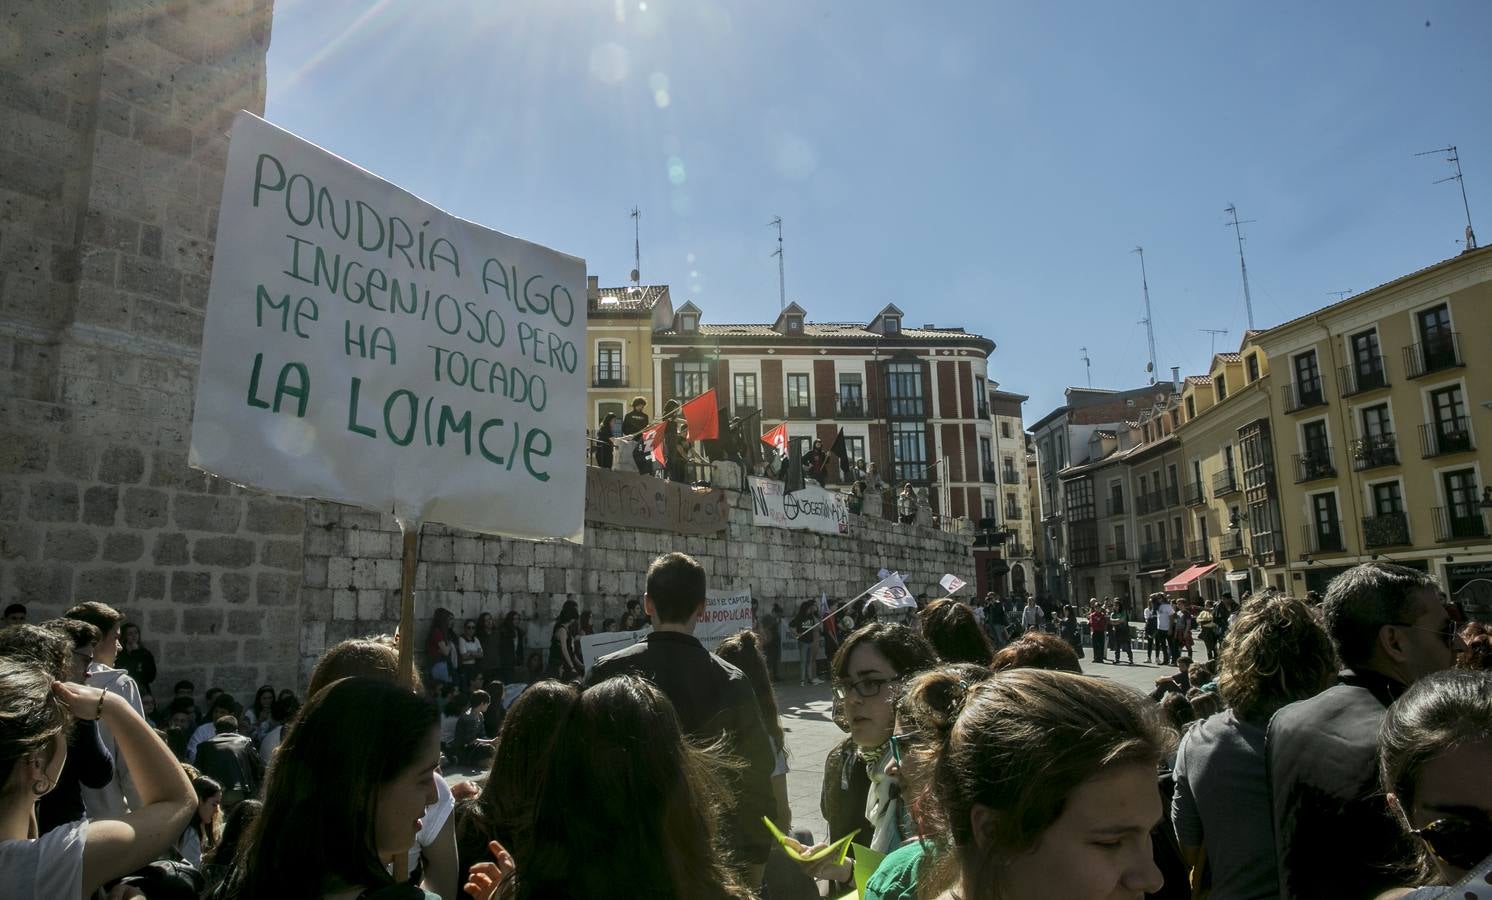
<point>1333,831</point>
<point>230,759</point>
<point>632,425</point>
<point>711,696</point>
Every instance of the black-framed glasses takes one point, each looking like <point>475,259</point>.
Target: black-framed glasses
<point>1463,843</point>
<point>865,687</point>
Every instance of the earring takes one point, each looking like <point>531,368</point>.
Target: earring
<point>41,786</point>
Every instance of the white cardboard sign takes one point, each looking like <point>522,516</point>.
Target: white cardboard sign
<point>363,346</point>
<point>726,612</point>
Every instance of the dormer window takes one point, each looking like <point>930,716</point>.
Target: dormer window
<point>794,324</point>
<point>888,321</point>
<point>893,324</point>
<point>688,319</point>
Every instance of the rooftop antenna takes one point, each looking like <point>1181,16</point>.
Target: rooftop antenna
<point>636,248</point>
<point>1455,160</point>
<point>1339,294</point>
<point>1214,332</point>
<point>1149,328</point>
<point>781,277</point>
<point>1088,364</point>
<point>1237,226</point>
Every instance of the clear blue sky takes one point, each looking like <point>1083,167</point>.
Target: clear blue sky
<point>986,164</point>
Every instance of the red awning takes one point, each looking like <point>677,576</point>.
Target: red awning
<point>1180,582</point>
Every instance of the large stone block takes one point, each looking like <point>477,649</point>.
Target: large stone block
<point>53,501</point>
<point>71,543</point>
<point>110,585</point>
<point>281,555</point>
<point>273,516</point>
<point>145,508</point>
<point>207,513</point>
<point>235,587</point>
<point>201,621</point>
<point>121,465</point>
<point>170,549</point>
<point>100,505</point>
<point>226,552</point>
<point>191,588</point>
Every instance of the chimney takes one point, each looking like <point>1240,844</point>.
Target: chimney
<point>1176,380</point>
<point>592,286</point>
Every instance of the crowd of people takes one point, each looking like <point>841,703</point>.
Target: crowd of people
<point>1331,749</point>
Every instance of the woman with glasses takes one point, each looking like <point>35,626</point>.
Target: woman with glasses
<point>1435,756</point>
<point>859,793</point>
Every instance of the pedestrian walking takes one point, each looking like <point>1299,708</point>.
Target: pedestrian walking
<point>1098,626</point>
<point>805,626</point>
<point>1120,634</point>
<point>1207,625</point>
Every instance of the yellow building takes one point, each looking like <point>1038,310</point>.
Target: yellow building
<point>1382,427</point>
<point>619,338</point>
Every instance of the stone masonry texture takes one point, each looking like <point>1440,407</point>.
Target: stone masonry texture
<point>113,122</point>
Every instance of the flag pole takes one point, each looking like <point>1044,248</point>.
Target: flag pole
<point>837,609</point>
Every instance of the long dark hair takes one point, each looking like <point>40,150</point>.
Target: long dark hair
<point>205,787</point>
<point>628,807</point>
<point>260,708</point>
<point>504,811</point>
<point>743,650</point>
<point>954,632</point>
<point>509,624</point>
<point>485,626</point>
<point>906,650</point>
<point>568,613</point>
<point>320,800</point>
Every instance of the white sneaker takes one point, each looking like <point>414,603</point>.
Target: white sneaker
<point>802,684</point>
<point>818,681</point>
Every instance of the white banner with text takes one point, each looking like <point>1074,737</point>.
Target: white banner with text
<point>811,509</point>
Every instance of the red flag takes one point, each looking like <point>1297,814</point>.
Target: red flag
<point>652,440</point>
<point>777,438</point>
<point>703,417</point>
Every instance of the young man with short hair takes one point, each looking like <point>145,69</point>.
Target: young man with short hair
<point>711,696</point>
<point>15,614</point>
<point>119,797</point>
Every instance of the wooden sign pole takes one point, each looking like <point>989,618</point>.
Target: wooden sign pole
<point>411,533</point>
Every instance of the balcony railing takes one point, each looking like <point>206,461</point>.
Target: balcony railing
<point>1321,540</point>
<point>1116,553</point>
<point>1116,506</point>
<point>1225,482</point>
<point>1173,495</point>
<point>1153,553</point>
<point>1083,556</point>
<point>1366,375</point>
<point>800,410</point>
<point>1197,551</point>
<point>1266,548</point>
<point>905,407</point>
<point>609,377</point>
<point>1386,530</point>
<point>851,408</point>
<point>1451,525</point>
<point>1016,550</point>
<point>1230,543</point>
<point>1445,436</point>
<point>1437,353</point>
<point>1081,514</point>
<point>1375,451</point>
<point>1193,494</point>
<point>1314,464</point>
<point>1142,503</point>
<point>1012,513</point>
<point>1011,476</point>
<point>1178,549</point>
<point>1297,398</point>
<point>987,473</point>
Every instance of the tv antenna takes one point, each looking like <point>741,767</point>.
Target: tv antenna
<point>1087,364</point>
<point>781,277</point>
<point>1455,160</point>
<point>1237,226</point>
<point>1214,332</point>
<point>1339,294</point>
<point>636,247</point>
<point>1149,327</point>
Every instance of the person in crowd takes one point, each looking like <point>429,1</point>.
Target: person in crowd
<point>1334,834</point>
<point>1179,683</point>
<point>1207,626</point>
<point>15,614</point>
<point>1165,629</point>
<point>221,704</point>
<point>48,648</point>
<point>816,462</point>
<point>612,822</point>
<point>217,860</point>
<point>713,698</point>
<point>280,715</point>
<point>468,654</point>
<point>432,860</point>
<point>511,645</point>
<point>1121,636</point>
<point>769,627</point>
<point>858,791</point>
<point>135,659</point>
<point>906,505</point>
<point>859,471</point>
<point>1098,626</point>
<point>1279,653</point>
<point>1181,629</point>
<point>200,834</point>
<point>492,717</point>
<point>805,627</point>
<point>1204,703</point>
<point>75,860</point>
<point>633,424</point>
<point>256,719</point>
<point>89,763</point>
<point>185,690</point>
<point>1222,615</point>
<point>564,647</point>
<point>631,616</point>
<point>873,479</point>
<point>743,650</point>
<point>1152,632</point>
<point>487,636</point>
<point>1178,711</point>
<point>119,796</point>
<point>451,704</point>
<point>950,627</point>
<point>856,501</point>
<point>179,726</point>
<point>346,793</point>
<point>504,809</point>
<point>471,745</point>
<point>1434,760</point>
<point>1069,630</point>
<point>1476,640</point>
<point>1031,616</point>
<point>604,449</point>
<point>440,647</point>
<point>996,621</point>
<point>1037,650</point>
<point>585,626</point>
<point>1046,781</point>
<point>232,760</point>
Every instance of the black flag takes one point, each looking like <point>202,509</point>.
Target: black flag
<point>843,455</point>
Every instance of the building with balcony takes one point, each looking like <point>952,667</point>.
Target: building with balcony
<point>1382,428</point>
<point>619,346</point>
<point>1005,497</point>
<point>915,401</point>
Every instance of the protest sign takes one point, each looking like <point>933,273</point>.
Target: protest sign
<point>726,612</point>
<point>892,593</point>
<point>630,500</point>
<point>363,346</point>
<point>595,646</point>
<point>809,509</point>
<point>951,583</point>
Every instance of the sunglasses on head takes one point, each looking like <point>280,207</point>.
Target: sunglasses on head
<point>1463,843</point>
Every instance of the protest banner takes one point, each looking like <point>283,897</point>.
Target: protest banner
<point>809,509</point>
<point>363,346</point>
<point>891,592</point>
<point>631,500</point>
<point>951,583</point>
<point>595,646</point>
<point>726,612</point>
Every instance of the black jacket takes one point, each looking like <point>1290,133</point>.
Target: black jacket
<point>844,793</point>
<point>231,760</point>
<point>1333,832</point>
<point>89,764</point>
<point>711,697</point>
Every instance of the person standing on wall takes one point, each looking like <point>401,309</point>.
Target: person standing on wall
<point>633,424</point>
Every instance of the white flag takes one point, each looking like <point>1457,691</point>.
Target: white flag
<point>891,592</point>
<point>951,583</point>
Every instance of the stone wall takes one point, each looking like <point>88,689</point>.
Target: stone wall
<point>352,561</point>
